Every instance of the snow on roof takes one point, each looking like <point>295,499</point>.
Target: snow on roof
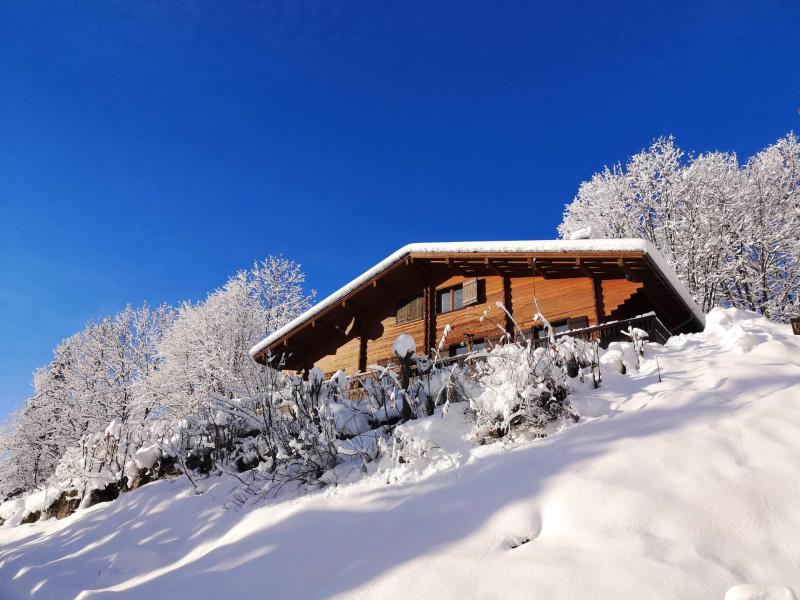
<point>532,246</point>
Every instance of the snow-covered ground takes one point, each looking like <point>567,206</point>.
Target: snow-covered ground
<point>683,488</point>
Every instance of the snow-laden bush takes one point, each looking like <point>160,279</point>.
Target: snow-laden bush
<point>520,387</point>
<point>317,434</point>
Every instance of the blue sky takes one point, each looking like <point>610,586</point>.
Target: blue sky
<point>149,150</point>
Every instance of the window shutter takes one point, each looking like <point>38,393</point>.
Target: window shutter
<point>410,310</point>
<point>470,288</point>
<point>415,309</point>
<point>402,314</point>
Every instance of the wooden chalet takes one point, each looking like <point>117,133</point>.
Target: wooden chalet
<point>579,285</point>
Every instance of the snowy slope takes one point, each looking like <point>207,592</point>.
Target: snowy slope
<point>679,489</point>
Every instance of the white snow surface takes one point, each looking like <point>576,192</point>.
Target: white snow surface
<point>584,233</point>
<point>14,511</point>
<point>147,457</point>
<point>533,246</point>
<point>684,488</point>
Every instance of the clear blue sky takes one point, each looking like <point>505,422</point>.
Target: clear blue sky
<point>148,150</point>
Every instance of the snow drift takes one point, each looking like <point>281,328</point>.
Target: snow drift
<point>683,487</point>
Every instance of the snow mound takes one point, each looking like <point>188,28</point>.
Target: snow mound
<point>147,457</point>
<point>404,346</point>
<point>759,592</point>
<point>348,418</point>
<point>584,233</point>
<point>679,481</point>
<point>14,511</point>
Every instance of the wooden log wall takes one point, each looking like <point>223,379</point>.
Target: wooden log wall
<point>616,292</point>
<point>467,320</point>
<point>380,348</point>
<point>558,299</point>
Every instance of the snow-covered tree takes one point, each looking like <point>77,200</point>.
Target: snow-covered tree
<point>95,376</point>
<point>204,353</point>
<point>128,385</point>
<point>767,274</point>
<point>709,220</point>
<point>731,232</point>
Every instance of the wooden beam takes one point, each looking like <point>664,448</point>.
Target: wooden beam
<point>535,270</point>
<point>353,308</point>
<point>461,268</point>
<point>582,267</point>
<point>629,275</point>
<point>507,300</point>
<point>599,305</point>
<point>493,267</point>
<point>362,353</point>
<point>328,327</point>
<point>428,310</point>
<point>418,266</point>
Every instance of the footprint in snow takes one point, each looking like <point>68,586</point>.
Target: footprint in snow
<point>526,528</point>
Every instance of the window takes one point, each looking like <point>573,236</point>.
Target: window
<point>444,301</point>
<point>458,349</point>
<point>410,310</point>
<point>457,297</point>
<point>561,326</point>
<point>469,345</point>
<point>578,323</point>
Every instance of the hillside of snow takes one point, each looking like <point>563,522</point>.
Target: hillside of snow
<point>688,487</point>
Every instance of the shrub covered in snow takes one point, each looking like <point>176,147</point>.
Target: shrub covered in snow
<point>519,387</point>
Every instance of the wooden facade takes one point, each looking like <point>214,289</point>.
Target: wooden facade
<point>420,293</point>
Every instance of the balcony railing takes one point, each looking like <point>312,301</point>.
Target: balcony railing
<point>612,331</point>
<point>605,333</point>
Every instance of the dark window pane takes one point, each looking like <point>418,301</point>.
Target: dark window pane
<point>458,298</point>
<point>560,326</point>
<point>578,322</point>
<point>443,301</point>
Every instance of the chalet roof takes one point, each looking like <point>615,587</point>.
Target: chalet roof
<point>533,247</point>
